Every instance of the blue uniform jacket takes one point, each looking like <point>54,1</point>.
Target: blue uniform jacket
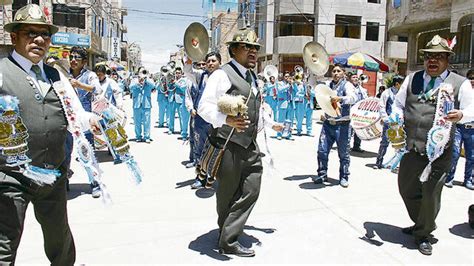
<point>142,94</point>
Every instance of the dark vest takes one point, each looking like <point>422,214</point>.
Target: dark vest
<point>241,87</point>
<point>43,117</point>
<point>419,116</point>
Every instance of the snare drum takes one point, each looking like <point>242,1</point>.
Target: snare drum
<point>365,119</point>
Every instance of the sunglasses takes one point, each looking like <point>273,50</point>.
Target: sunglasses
<point>75,57</point>
<point>34,34</point>
<point>248,47</point>
<point>437,56</point>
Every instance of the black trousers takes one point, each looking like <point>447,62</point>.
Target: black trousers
<point>49,202</point>
<point>423,200</point>
<point>239,179</point>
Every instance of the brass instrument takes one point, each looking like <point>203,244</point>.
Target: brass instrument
<point>299,72</point>
<point>196,42</point>
<point>270,71</point>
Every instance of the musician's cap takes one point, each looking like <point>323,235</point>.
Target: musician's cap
<point>437,45</point>
<point>31,14</point>
<point>245,35</point>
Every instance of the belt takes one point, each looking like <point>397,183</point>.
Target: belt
<point>182,94</point>
<point>337,122</point>
<point>298,101</point>
<point>281,99</point>
<point>467,126</point>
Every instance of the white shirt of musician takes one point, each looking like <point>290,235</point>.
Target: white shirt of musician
<point>217,85</point>
<point>465,96</point>
<point>83,115</point>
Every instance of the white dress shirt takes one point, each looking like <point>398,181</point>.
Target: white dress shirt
<point>217,85</point>
<point>465,96</point>
<point>75,103</point>
<point>389,93</point>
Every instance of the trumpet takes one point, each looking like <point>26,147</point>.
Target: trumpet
<point>299,71</point>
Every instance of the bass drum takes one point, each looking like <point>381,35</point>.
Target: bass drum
<point>365,119</point>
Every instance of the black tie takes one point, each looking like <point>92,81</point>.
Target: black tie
<point>248,78</point>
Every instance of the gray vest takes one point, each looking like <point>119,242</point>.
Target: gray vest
<point>240,87</point>
<point>419,116</point>
<point>43,117</point>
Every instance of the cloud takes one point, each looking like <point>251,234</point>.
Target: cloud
<point>154,59</point>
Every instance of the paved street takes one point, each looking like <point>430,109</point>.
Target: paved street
<point>163,221</point>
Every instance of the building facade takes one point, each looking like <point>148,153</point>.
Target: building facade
<point>418,21</point>
<point>93,24</point>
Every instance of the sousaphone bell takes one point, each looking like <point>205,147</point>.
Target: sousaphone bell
<point>270,71</point>
<point>196,41</point>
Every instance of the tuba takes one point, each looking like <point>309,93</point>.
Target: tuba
<point>270,71</point>
<point>196,41</point>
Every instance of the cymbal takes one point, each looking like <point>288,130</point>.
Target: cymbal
<point>316,58</point>
<point>323,95</point>
<point>196,41</point>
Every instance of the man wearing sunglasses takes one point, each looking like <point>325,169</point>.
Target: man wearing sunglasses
<point>416,102</point>
<point>86,83</point>
<point>26,77</point>
<point>241,168</point>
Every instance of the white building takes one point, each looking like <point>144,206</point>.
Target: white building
<point>341,26</point>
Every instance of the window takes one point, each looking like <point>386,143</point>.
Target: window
<point>69,16</point>
<point>372,33</point>
<point>347,27</point>
<point>397,3</point>
<point>295,25</point>
<point>374,1</point>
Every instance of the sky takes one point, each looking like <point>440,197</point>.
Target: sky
<point>158,34</point>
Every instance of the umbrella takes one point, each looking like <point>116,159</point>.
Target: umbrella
<point>359,60</point>
<point>112,64</point>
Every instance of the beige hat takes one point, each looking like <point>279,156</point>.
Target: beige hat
<point>30,14</point>
<point>437,45</point>
<point>245,35</point>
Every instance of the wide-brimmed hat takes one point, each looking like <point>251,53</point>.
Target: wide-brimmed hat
<point>437,45</point>
<point>30,14</point>
<point>245,35</point>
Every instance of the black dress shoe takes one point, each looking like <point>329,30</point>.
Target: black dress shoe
<point>471,216</point>
<point>238,251</point>
<point>408,230</point>
<point>425,248</point>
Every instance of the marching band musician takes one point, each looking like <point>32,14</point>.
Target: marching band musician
<point>141,95</point>
<point>162,98</point>
<point>361,93</point>
<point>193,74</point>
<point>283,104</point>
<point>181,85</point>
<point>270,95</point>
<point>337,129</point>
<point>200,127</point>
<point>299,100</point>
<point>241,167</point>
<point>110,88</point>
<point>386,100</point>
<point>414,100</point>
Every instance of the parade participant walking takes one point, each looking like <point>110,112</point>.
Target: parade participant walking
<point>270,96</point>
<point>283,104</point>
<point>299,100</point>
<point>141,95</point>
<point>417,102</point>
<point>87,86</point>
<point>110,89</point>
<point>200,127</point>
<point>241,168</point>
<point>27,78</point>
<point>361,93</point>
<point>464,135</point>
<point>337,129</point>
<point>386,100</point>
<point>162,99</point>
